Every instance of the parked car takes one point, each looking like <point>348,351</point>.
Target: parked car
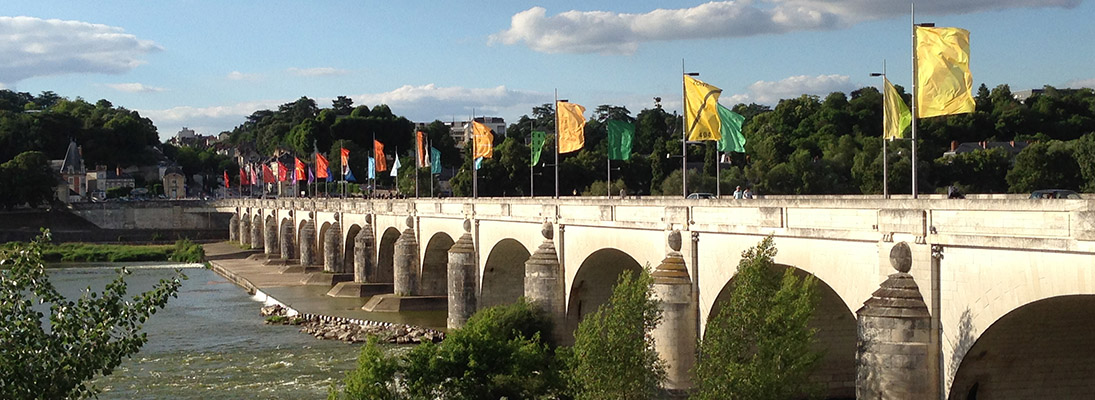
<point>1054,194</point>
<point>701,196</point>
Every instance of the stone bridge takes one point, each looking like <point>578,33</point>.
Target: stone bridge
<point>996,302</point>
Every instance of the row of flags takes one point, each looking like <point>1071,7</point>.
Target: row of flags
<point>250,174</point>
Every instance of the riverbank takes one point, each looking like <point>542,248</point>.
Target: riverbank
<point>308,305</point>
<point>183,251</point>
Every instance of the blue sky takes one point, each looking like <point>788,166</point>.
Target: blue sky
<point>207,64</point>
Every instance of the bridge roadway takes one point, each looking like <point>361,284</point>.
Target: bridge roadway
<point>1002,305</point>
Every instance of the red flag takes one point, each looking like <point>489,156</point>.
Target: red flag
<point>254,175</point>
<point>226,179</point>
<point>267,174</point>
<point>299,169</point>
<point>243,177</point>
<point>345,161</point>
<point>283,172</point>
<point>381,162</point>
<point>321,166</point>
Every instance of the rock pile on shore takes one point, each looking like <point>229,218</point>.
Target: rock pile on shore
<point>351,331</point>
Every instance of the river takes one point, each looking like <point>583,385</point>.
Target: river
<point>211,343</point>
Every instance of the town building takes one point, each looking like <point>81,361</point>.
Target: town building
<point>174,183</point>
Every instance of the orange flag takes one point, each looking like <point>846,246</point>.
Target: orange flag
<point>321,166</point>
<point>571,126</point>
<point>484,140</point>
<point>345,161</point>
<point>423,157</point>
<point>378,151</point>
<point>299,169</point>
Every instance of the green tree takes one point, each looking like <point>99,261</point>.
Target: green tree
<point>613,355</point>
<point>758,345</point>
<point>26,179</point>
<point>498,354</point>
<point>84,338</point>
<point>1046,165</point>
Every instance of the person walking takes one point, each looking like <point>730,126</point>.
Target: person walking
<point>737,192</point>
<point>747,194</point>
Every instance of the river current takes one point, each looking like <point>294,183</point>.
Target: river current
<point>211,343</point>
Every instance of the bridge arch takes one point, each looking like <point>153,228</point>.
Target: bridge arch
<point>503,280</point>
<point>1039,350</point>
<point>435,261</point>
<point>593,283</point>
<point>348,244</point>
<point>385,259</point>
<point>836,330</point>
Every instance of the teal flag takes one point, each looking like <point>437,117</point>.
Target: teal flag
<point>538,139</point>
<point>620,136</point>
<point>732,139</point>
<point>478,163</point>
<point>435,160</point>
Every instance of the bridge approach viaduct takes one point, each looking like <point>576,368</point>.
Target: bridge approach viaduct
<point>918,298</point>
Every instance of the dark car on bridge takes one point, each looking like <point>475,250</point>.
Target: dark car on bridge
<point>1054,194</point>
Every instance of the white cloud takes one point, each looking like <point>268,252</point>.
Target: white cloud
<point>320,71</point>
<point>32,47</point>
<point>765,92</point>
<point>1081,83</point>
<point>423,103</point>
<point>622,33</point>
<point>240,76</point>
<point>134,88</point>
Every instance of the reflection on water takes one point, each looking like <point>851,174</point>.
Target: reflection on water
<point>210,343</point>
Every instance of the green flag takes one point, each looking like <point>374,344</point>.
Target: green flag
<point>538,138</point>
<point>732,139</point>
<point>435,160</point>
<point>620,135</point>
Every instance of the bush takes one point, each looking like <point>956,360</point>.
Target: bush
<point>187,251</point>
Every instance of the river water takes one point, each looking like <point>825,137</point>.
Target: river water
<point>211,343</point>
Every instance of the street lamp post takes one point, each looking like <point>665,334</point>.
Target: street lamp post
<point>885,154</point>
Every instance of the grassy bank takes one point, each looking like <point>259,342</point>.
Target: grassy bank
<point>183,251</point>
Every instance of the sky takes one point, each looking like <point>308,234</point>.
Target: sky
<point>208,64</point>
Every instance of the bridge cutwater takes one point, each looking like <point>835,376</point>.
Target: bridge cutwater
<point>919,298</point>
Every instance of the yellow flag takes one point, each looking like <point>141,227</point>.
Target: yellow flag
<point>571,126</point>
<point>944,82</point>
<point>701,110</point>
<point>484,140</point>
<point>895,114</point>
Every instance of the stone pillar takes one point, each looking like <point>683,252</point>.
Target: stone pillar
<point>406,262</point>
<point>234,228</point>
<point>364,262</point>
<point>463,276</point>
<point>332,249</point>
<point>675,337</point>
<point>245,231</point>
<point>307,244</point>
<point>286,241</point>
<point>270,244</point>
<point>256,233</point>
<point>892,357</point>
<point>544,283</point>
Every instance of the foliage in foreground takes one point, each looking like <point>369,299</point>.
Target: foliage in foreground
<point>498,354</point>
<point>613,355</point>
<point>759,345</point>
<point>84,339</point>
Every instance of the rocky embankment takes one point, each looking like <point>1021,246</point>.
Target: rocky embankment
<point>351,330</point>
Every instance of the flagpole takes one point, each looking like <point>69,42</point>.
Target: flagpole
<point>718,171</point>
<point>556,107</point>
<point>428,147</point>
<point>914,96</point>
<point>471,124</point>
<point>372,189</point>
<point>531,175</point>
<point>684,134</point>
<point>885,153</point>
